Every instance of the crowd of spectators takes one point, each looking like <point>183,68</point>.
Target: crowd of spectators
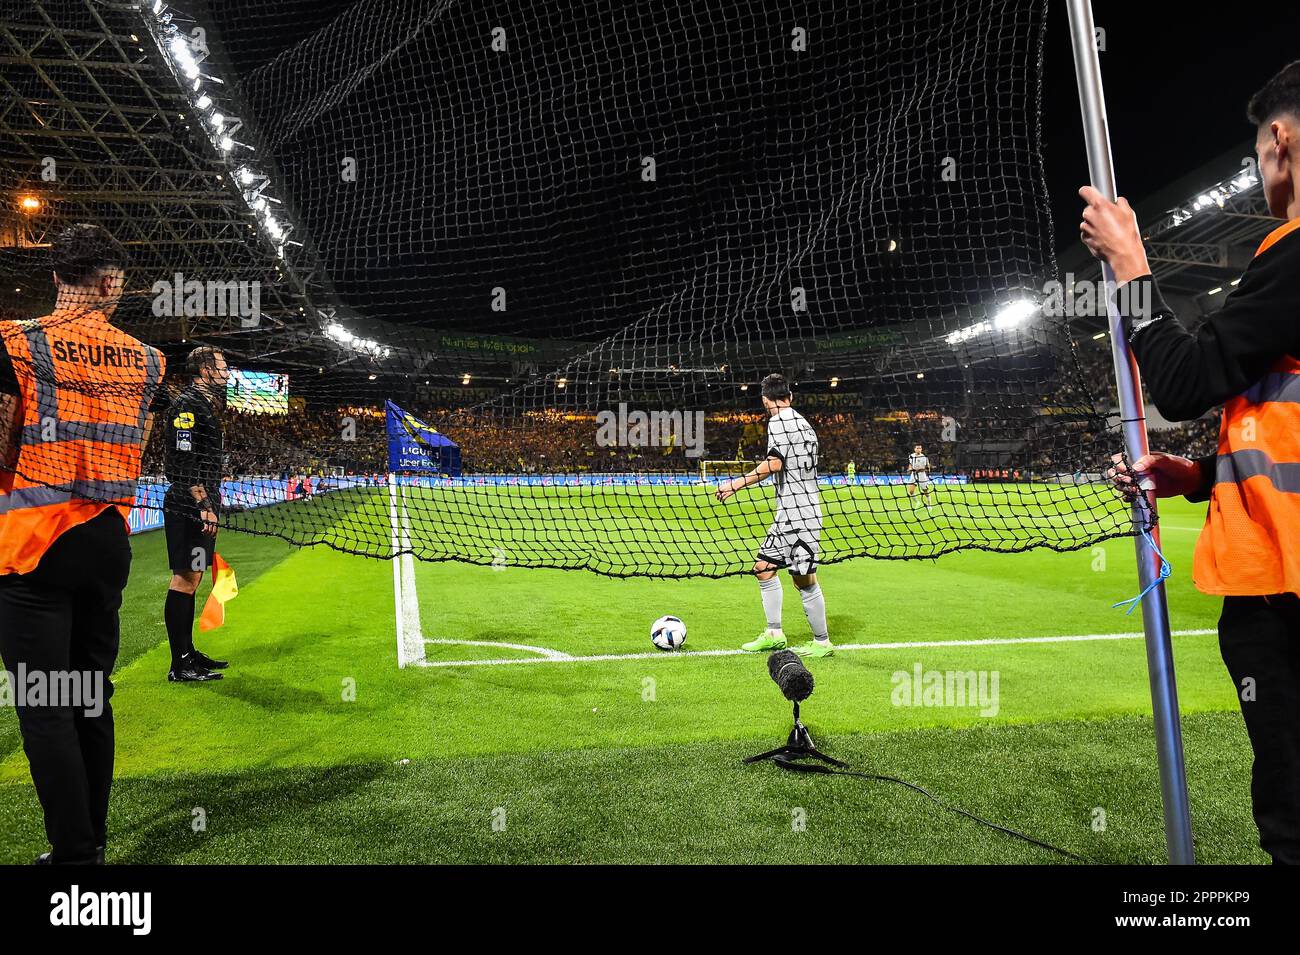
<point>1194,439</point>
<point>494,439</point>
<point>1088,380</point>
<point>353,440</point>
<point>1092,385</point>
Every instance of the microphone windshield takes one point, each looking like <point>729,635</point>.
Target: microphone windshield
<point>789,673</point>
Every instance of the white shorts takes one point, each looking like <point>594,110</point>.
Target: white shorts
<point>922,482</point>
<point>792,546</point>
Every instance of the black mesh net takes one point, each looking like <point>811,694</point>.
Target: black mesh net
<point>499,282</point>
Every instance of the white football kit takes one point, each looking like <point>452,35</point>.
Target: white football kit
<point>919,465</point>
<point>794,539</point>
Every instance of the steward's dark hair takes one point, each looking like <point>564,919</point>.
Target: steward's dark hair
<point>80,251</point>
<point>1279,95</point>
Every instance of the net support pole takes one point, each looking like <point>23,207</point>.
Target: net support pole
<point>1155,609</point>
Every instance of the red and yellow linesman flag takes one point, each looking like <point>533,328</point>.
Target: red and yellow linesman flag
<point>223,588</point>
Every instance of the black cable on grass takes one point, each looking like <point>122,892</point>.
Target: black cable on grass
<point>996,827</point>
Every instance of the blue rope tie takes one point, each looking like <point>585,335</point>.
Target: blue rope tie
<point>1166,570</point>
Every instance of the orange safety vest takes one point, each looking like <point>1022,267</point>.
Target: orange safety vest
<point>1251,542</point>
<point>84,393</point>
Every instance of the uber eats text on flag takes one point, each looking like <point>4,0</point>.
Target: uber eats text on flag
<point>415,446</point>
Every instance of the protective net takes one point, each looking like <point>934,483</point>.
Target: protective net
<point>493,280</point>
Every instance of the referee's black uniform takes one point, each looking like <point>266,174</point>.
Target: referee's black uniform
<point>192,458</point>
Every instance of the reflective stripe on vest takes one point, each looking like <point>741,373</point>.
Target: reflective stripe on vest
<point>1237,466</point>
<point>1251,542</point>
<point>43,496</point>
<point>84,392</point>
<point>52,431</point>
<point>47,402</point>
<point>43,381</point>
<point>105,433</point>
<point>1275,386</point>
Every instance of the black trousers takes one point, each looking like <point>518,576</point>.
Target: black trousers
<point>1259,638</point>
<point>63,617</point>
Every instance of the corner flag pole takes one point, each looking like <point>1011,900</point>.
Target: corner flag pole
<point>1155,609</point>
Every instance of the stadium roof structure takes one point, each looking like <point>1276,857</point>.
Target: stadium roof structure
<point>107,118</point>
<point>1201,232</point>
<point>100,124</point>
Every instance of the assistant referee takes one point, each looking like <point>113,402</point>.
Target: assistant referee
<point>1245,357</point>
<point>192,462</point>
<point>75,394</point>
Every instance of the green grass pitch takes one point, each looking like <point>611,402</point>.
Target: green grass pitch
<point>317,748</point>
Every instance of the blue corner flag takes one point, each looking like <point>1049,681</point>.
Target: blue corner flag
<point>414,446</point>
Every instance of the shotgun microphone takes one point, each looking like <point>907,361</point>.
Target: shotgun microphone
<point>790,675</point>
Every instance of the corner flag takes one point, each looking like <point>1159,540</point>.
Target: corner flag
<point>224,588</point>
<point>416,446</point>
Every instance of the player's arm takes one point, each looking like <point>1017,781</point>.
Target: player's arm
<point>765,469</point>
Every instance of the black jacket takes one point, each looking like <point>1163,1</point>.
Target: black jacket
<point>1188,373</point>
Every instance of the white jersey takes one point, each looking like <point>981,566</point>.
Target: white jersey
<point>919,465</point>
<point>791,438</point>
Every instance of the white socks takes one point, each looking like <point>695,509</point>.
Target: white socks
<point>770,590</point>
<point>814,608</point>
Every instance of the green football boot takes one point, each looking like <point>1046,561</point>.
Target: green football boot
<point>767,640</point>
<point>812,650</point>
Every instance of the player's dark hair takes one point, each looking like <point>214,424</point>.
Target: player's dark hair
<point>775,387</point>
<point>80,251</point>
<point>1279,95</point>
<point>205,356</point>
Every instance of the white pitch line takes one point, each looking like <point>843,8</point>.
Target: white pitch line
<point>839,648</point>
<point>527,648</point>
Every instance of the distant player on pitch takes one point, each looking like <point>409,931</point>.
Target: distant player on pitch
<point>794,539</point>
<point>919,466</point>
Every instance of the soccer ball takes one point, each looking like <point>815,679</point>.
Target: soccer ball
<point>668,633</point>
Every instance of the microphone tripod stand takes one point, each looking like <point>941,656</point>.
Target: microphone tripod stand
<point>798,747</point>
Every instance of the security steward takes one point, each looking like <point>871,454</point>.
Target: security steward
<point>75,394</point>
<point>1246,357</point>
<point>192,449</point>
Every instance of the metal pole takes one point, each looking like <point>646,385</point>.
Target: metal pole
<point>1155,610</point>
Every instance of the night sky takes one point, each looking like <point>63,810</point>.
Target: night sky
<point>1176,83</point>
<point>1177,80</point>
